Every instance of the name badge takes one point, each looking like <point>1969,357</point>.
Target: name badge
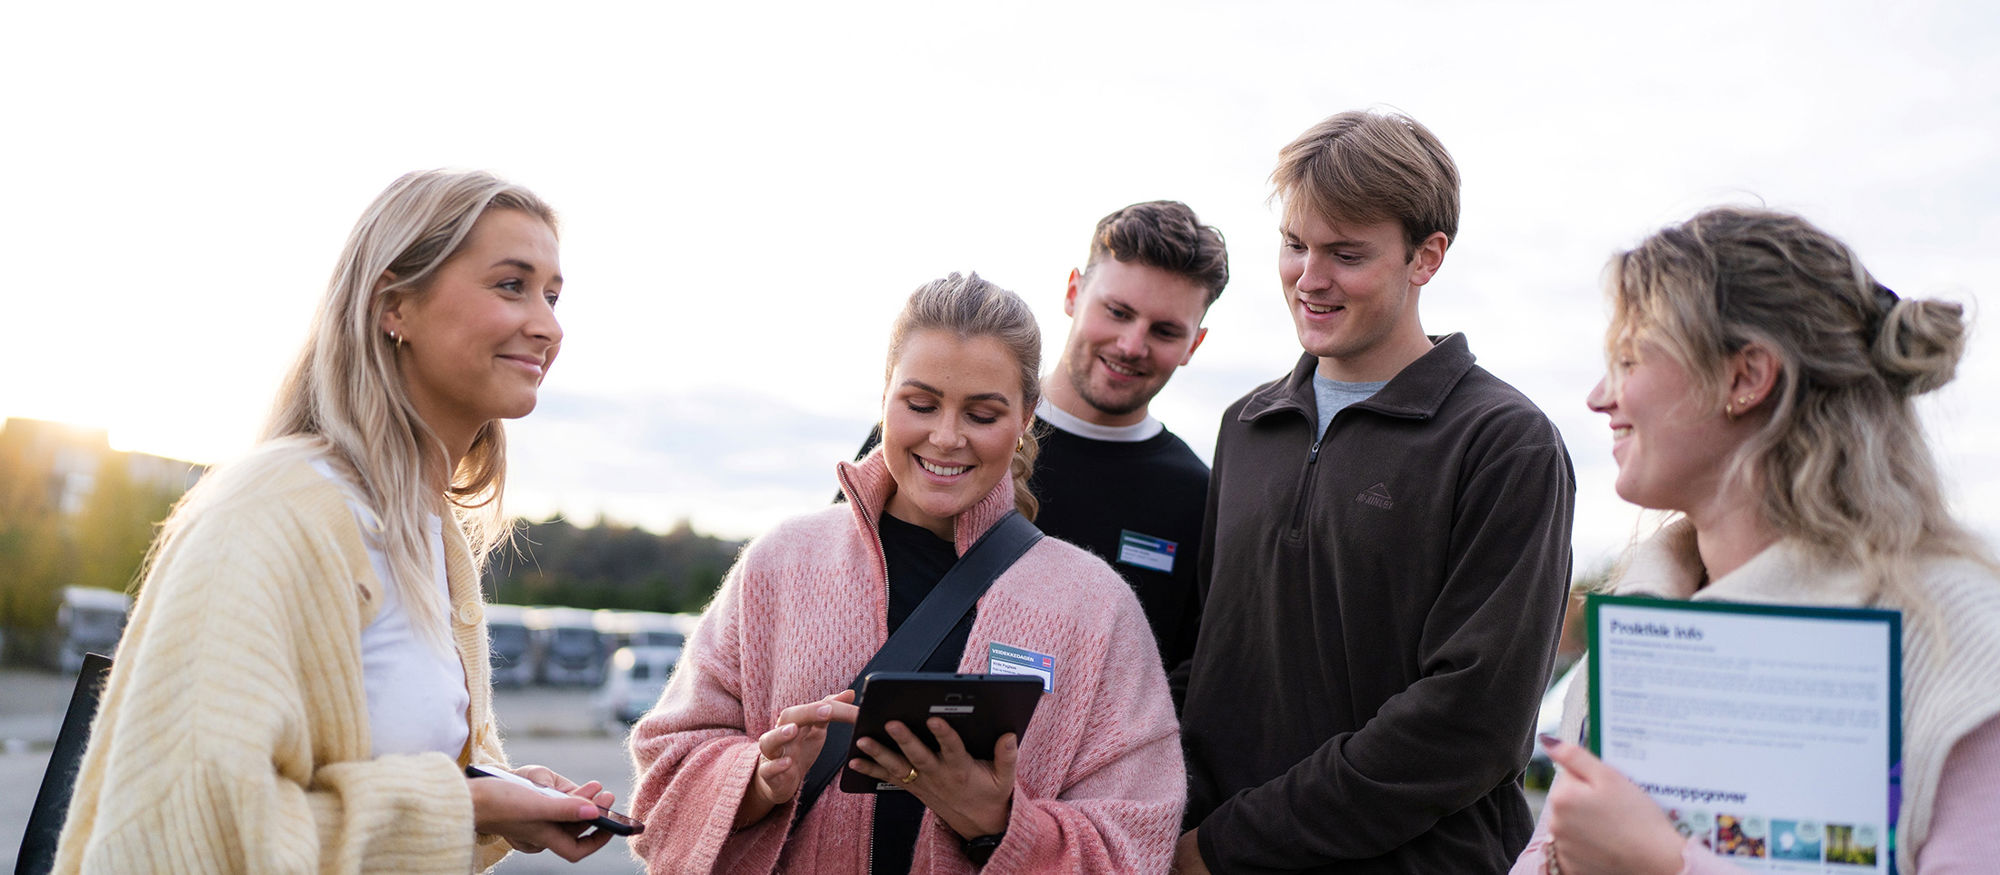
<point>1146,551</point>
<point>1007,659</point>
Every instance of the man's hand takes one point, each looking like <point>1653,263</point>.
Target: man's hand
<point>1187,856</point>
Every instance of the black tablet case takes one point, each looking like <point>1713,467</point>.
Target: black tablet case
<point>979,707</point>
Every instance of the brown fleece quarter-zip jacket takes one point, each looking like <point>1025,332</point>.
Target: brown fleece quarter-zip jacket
<point>1380,609</point>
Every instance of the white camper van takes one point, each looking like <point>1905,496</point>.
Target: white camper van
<point>89,620</point>
<point>510,648</point>
<point>568,647</point>
<point>643,628</point>
<point>633,684</point>
<point>639,671</point>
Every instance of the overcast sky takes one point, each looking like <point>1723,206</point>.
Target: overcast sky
<point>749,191</point>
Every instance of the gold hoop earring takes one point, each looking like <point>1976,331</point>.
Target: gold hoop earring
<point>1021,444</point>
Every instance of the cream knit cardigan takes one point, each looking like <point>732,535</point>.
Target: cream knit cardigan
<point>1951,644</point>
<point>233,735</point>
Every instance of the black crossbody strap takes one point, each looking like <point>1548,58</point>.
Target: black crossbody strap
<point>920,635</point>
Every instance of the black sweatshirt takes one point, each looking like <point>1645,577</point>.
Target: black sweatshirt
<point>1121,500</point>
<point>1381,606</point>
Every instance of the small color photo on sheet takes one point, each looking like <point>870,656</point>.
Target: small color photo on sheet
<point>1801,840</point>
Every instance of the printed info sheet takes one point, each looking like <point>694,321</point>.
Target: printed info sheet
<point>1770,734</point>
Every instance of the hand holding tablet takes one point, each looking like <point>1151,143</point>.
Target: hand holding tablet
<point>977,709</point>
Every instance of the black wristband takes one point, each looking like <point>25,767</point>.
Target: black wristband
<point>979,849</point>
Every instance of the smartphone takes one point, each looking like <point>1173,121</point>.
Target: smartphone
<point>613,822</point>
<point>979,707</point>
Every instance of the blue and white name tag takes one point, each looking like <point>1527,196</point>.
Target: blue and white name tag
<point>1008,659</point>
<point>1146,551</point>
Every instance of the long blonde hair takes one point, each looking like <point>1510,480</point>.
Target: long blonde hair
<point>346,394</point>
<point>1842,465</point>
<point>969,307</point>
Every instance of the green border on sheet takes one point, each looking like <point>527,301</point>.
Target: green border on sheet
<point>1894,620</point>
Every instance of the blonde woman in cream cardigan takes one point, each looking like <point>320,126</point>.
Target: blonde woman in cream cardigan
<point>304,677</point>
<point>1761,384</point>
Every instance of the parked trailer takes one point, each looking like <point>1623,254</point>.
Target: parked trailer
<point>569,649</point>
<point>667,630</point>
<point>510,647</point>
<point>643,629</point>
<point>633,684</point>
<point>89,620</point>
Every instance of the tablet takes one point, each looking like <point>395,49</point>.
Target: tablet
<point>979,707</point>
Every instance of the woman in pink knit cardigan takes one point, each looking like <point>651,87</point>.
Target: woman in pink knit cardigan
<point>1096,782</point>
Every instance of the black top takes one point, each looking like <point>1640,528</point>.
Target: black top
<point>1138,506</point>
<point>1384,597</point>
<point>1093,493</point>
<point>917,560</point>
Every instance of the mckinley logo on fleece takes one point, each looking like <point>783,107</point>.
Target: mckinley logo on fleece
<point>1377,496</point>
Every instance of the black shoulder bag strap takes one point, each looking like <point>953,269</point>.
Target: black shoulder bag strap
<point>920,635</point>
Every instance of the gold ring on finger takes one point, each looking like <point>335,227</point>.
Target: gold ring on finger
<point>911,778</point>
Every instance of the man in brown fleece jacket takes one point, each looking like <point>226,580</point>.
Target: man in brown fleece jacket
<point>1385,557</point>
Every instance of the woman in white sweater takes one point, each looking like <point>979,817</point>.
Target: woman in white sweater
<point>304,678</point>
<point>1761,386</point>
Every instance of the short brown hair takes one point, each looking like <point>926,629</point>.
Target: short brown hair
<point>1362,167</point>
<point>1166,235</point>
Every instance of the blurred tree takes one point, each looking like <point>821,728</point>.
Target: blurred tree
<point>116,525</point>
<point>34,546</point>
<point>609,565</point>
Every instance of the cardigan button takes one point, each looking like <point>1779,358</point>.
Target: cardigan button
<point>468,614</point>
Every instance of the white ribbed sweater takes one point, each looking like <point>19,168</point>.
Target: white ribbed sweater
<point>1951,644</point>
<point>233,735</point>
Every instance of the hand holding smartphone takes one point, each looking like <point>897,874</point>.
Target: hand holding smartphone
<point>608,820</point>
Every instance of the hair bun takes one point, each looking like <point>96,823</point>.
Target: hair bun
<point>1920,344</point>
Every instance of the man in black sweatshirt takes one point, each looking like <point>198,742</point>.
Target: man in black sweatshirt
<point>1109,476</point>
<point>1385,557</point>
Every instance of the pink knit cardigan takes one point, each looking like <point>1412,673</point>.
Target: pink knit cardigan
<point>1100,782</point>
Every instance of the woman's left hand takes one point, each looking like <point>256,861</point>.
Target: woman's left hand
<point>547,777</point>
<point>1599,821</point>
<point>973,797</point>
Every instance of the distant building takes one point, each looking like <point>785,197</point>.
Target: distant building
<point>71,456</point>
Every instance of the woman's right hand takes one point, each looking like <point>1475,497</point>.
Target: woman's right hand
<point>787,751</point>
<point>1599,821</point>
<point>532,822</point>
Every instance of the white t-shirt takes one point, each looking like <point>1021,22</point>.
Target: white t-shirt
<point>1139,431</point>
<point>417,699</point>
